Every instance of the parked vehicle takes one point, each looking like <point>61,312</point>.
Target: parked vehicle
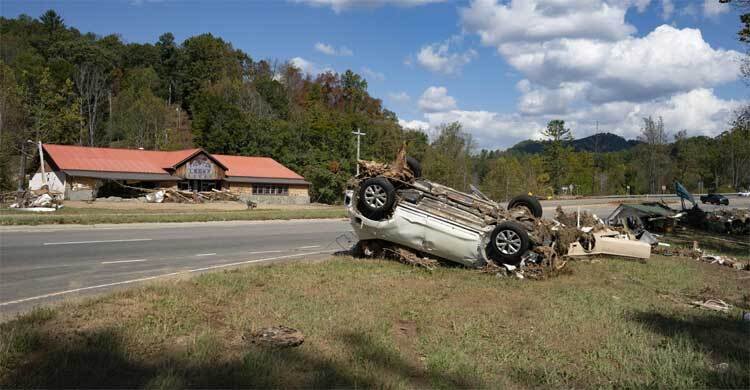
<point>466,228</point>
<point>744,194</point>
<point>717,199</point>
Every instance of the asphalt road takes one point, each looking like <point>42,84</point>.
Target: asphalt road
<point>42,264</point>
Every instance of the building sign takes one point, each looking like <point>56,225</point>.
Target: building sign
<point>200,168</point>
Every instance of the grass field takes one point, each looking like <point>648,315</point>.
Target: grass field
<point>90,216</point>
<point>373,323</point>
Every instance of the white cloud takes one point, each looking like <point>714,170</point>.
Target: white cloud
<point>332,50</point>
<point>436,99</point>
<point>340,5</point>
<point>543,20</point>
<point>309,67</point>
<point>400,97</point>
<point>599,50</point>
<point>372,75</point>
<point>581,61</point>
<point>541,100</point>
<point>667,9</point>
<point>698,111</point>
<point>712,8</point>
<point>439,58</point>
<point>489,129</point>
<point>664,62</point>
<point>414,125</point>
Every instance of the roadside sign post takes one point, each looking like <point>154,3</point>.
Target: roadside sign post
<point>359,134</point>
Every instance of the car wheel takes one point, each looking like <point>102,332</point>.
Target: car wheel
<point>414,166</point>
<point>527,201</point>
<point>508,243</point>
<point>376,198</point>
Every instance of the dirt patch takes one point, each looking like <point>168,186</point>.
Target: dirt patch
<point>406,337</point>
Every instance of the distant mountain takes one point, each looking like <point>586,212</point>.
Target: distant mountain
<point>600,142</point>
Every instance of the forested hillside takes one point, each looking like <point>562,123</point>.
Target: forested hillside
<point>60,85</point>
<point>598,143</point>
<point>63,86</point>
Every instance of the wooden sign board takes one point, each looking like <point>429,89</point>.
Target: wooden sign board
<point>200,168</point>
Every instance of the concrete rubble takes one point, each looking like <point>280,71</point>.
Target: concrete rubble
<point>41,200</point>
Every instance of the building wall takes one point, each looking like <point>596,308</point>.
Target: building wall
<point>298,194</point>
<point>299,190</point>
<point>81,188</point>
<point>55,181</point>
<point>240,188</point>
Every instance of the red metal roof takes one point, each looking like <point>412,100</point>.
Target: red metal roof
<point>256,167</point>
<point>83,158</point>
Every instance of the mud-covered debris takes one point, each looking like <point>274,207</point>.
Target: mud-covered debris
<point>713,304</point>
<point>575,219</point>
<point>696,253</point>
<point>276,337</point>
<point>398,169</point>
<point>410,257</point>
<point>388,250</point>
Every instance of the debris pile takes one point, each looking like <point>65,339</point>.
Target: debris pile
<point>385,249</point>
<point>541,263</point>
<point>398,170</point>
<point>698,254</point>
<point>713,304</point>
<point>41,200</point>
<point>182,196</point>
<point>276,337</point>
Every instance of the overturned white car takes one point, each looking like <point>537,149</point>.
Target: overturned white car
<point>392,203</point>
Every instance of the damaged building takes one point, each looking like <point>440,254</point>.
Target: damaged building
<point>85,173</point>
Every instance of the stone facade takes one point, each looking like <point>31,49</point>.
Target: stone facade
<point>298,194</point>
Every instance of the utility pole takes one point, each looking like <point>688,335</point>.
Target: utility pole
<point>41,163</point>
<point>359,134</point>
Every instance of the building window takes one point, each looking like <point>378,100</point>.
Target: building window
<point>270,189</point>
<point>198,185</point>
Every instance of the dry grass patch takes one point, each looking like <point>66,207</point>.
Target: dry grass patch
<point>90,216</point>
<point>371,323</point>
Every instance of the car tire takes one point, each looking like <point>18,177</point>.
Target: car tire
<point>414,166</point>
<point>529,202</point>
<point>508,243</point>
<point>376,198</point>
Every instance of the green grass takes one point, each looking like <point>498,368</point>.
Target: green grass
<point>84,216</point>
<point>372,323</point>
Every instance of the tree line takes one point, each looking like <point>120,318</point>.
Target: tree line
<point>59,85</point>
<point>63,86</point>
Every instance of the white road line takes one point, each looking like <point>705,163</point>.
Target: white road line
<point>96,242</point>
<point>205,254</point>
<point>259,252</point>
<point>309,247</point>
<point>54,294</point>
<point>123,261</point>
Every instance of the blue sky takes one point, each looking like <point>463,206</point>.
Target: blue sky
<point>501,68</point>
